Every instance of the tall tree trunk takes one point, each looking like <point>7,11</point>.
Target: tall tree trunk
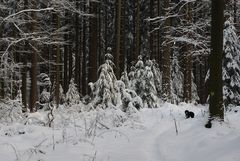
<point>122,56</point>
<point>2,93</point>
<point>66,54</point>
<point>106,26</point>
<point>235,11</point>
<point>57,76</point>
<point>137,31</point>
<point>188,61</point>
<point>215,61</point>
<point>166,58</point>
<point>70,57</point>
<point>24,69</point>
<point>84,51</point>
<point>93,44</point>
<point>100,46</point>
<point>24,82</point>
<point>33,70</point>
<point>151,27</point>
<point>77,48</point>
<point>118,37</point>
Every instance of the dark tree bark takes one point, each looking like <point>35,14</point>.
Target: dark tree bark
<point>33,70</point>
<point>57,76</point>
<point>235,11</point>
<point>24,69</point>
<point>77,49</point>
<point>122,41</point>
<point>188,65</point>
<point>70,58</point>
<point>118,53</point>
<point>137,31</point>
<point>84,51</point>
<point>1,79</point>
<point>154,38</point>
<point>66,55</point>
<point>24,82</point>
<point>166,58</point>
<point>215,61</point>
<point>93,43</point>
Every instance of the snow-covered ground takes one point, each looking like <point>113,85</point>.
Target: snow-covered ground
<point>110,135</point>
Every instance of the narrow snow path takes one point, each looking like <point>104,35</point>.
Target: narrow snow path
<point>136,145</point>
<point>158,141</point>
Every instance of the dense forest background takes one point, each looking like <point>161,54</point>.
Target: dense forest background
<point>141,51</point>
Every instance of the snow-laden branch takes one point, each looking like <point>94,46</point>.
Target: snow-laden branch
<point>24,11</point>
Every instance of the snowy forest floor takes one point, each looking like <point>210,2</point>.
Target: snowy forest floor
<point>110,135</point>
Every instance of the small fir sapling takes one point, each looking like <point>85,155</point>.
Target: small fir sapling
<point>136,77</point>
<point>72,95</point>
<point>130,101</point>
<point>104,90</point>
<point>45,86</point>
<point>150,92</point>
<point>44,81</point>
<point>177,82</point>
<point>195,97</point>
<point>142,81</point>
<point>44,96</point>
<point>157,75</point>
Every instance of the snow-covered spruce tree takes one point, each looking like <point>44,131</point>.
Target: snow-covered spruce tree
<point>142,82</point>
<point>150,91</point>
<point>157,75</point>
<point>125,78</point>
<point>136,77</point>
<point>177,82</point>
<point>231,65</point>
<point>104,90</point>
<point>44,81</point>
<point>44,97</point>
<point>195,96</point>
<point>130,101</point>
<point>45,85</point>
<point>72,95</point>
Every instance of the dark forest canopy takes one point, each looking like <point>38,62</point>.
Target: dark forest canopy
<point>146,50</point>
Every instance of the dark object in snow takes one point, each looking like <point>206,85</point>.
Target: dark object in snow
<point>209,124</point>
<point>21,132</point>
<point>189,114</point>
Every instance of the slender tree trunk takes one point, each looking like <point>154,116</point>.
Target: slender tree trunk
<point>137,30</point>
<point>122,41</point>
<point>118,37</point>
<point>57,78</point>
<point>93,43</point>
<point>77,48</point>
<point>151,27</point>
<point>235,11</point>
<point>24,69</point>
<point>24,83</point>
<point>166,58</point>
<point>66,55</point>
<point>33,71</point>
<point>1,79</point>
<point>70,58</point>
<point>188,61</point>
<point>84,50</point>
<point>100,46</point>
<point>215,60</point>
<point>106,26</point>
